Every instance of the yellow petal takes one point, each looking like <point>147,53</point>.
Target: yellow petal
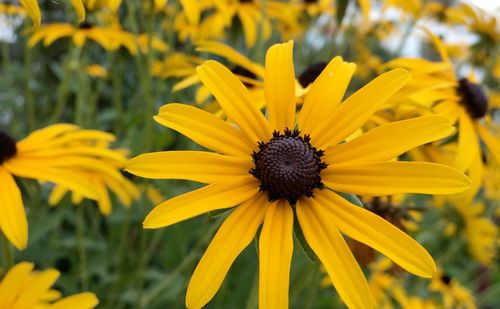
<point>468,144</point>
<point>12,283</point>
<point>235,100</point>
<point>212,197</point>
<point>79,9</point>
<point>230,54</point>
<point>234,235</point>
<point>279,86</point>
<point>199,166</point>
<point>66,178</point>
<point>13,220</point>
<point>36,287</point>
<point>370,229</point>
<point>390,140</point>
<point>386,178</point>
<point>358,108</point>
<point>491,142</point>
<point>192,10</point>
<point>31,6</point>
<point>205,129</point>
<point>186,82</point>
<point>40,137</point>
<point>325,240</point>
<point>325,94</point>
<point>79,301</point>
<point>275,256</point>
<point>249,25</point>
<point>56,195</point>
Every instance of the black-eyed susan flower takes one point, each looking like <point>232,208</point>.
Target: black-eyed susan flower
<point>63,154</point>
<point>12,9</point>
<point>108,38</point>
<point>462,100</point>
<point>101,179</point>
<point>454,295</point>
<point>22,287</point>
<point>281,167</point>
<point>31,6</point>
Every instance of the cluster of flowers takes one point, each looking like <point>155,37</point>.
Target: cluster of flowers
<point>292,154</point>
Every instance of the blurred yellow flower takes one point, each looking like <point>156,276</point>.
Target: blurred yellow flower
<point>24,288</point>
<point>96,70</point>
<point>62,154</point>
<point>109,38</point>
<point>31,6</point>
<point>454,295</point>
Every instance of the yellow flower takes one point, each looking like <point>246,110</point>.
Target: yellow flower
<point>12,9</point>
<point>109,38</point>
<point>453,293</point>
<point>111,5</point>
<point>481,233</point>
<point>249,12</point>
<point>61,154</point>
<point>463,101</point>
<point>477,20</point>
<point>24,288</point>
<point>272,169</point>
<point>31,6</point>
<point>96,70</point>
<point>247,71</point>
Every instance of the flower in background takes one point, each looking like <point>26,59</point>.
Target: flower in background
<point>96,70</point>
<point>276,169</point>
<point>101,179</point>
<point>481,233</point>
<point>31,6</point>
<point>22,287</point>
<point>108,38</point>
<point>462,100</point>
<point>62,154</point>
<point>11,17</point>
<point>454,295</point>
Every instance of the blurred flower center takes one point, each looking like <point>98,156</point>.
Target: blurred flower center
<point>241,71</point>
<point>7,147</point>
<point>288,166</point>
<point>85,25</point>
<point>311,73</point>
<point>473,98</point>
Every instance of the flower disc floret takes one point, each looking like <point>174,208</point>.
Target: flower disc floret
<point>288,166</point>
<point>8,147</point>
<point>473,98</point>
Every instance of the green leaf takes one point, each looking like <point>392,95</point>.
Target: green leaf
<point>351,198</point>
<point>297,231</point>
<point>341,9</point>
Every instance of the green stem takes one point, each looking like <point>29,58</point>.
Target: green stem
<point>405,37</point>
<point>8,255</point>
<point>117,81</point>
<point>80,238</point>
<point>29,104</point>
<point>63,89</point>
<point>186,263</point>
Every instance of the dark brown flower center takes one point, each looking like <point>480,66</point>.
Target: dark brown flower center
<point>241,71</point>
<point>311,1</point>
<point>473,98</point>
<point>85,25</point>
<point>446,279</point>
<point>311,73</point>
<point>8,147</point>
<point>288,166</point>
